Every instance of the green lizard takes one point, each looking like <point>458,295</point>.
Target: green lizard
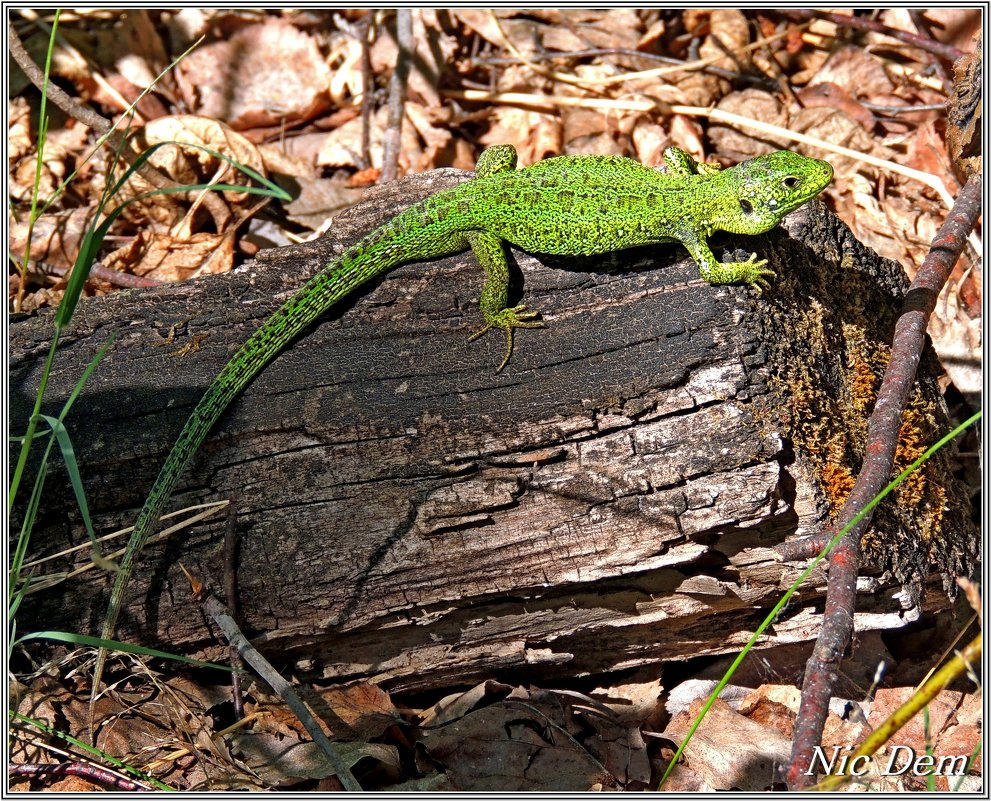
<point>568,205</point>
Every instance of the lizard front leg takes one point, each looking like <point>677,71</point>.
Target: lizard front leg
<point>489,251</point>
<point>752,271</point>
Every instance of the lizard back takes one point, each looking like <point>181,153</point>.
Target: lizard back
<point>583,205</point>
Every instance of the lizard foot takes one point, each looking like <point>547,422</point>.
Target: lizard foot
<point>506,320</point>
<point>752,272</point>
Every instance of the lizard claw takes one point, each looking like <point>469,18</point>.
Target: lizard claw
<point>754,273</point>
<point>507,320</point>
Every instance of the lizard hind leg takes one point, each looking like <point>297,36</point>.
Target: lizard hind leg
<point>679,162</point>
<point>488,249</point>
<point>498,158</point>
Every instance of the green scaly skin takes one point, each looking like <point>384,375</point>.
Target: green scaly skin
<point>569,205</point>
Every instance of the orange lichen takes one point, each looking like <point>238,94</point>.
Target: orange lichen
<point>863,384</point>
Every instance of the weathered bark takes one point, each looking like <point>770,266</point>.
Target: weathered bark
<point>406,514</point>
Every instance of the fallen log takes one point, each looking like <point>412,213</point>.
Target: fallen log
<point>405,514</point>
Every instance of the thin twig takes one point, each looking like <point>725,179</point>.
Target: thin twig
<point>599,52</point>
<point>538,68</point>
<point>925,30</point>
<point>397,95</point>
<point>946,51</point>
<point>92,772</point>
<point>231,550</point>
<point>98,270</point>
<point>218,612</point>
<point>367,86</point>
<point>882,440</point>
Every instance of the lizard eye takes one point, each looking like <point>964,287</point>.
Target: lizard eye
<point>791,182</point>
<point>747,206</point>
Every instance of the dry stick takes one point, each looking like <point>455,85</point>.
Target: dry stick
<point>231,551</point>
<point>98,270</point>
<point>397,95</point>
<point>367,85</point>
<point>948,52</point>
<point>922,26</point>
<point>599,52</point>
<point>217,208</point>
<point>92,772</point>
<point>218,612</point>
<point>882,440</point>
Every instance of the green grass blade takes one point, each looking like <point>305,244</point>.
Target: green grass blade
<point>31,513</point>
<point>75,479</point>
<point>22,458</point>
<point>40,160</point>
<point>85,258</point>
<point>22,591</point>
<point>113,645</point>
<point>970,764</point>
<point>42,135</point>
<point>20,549</point>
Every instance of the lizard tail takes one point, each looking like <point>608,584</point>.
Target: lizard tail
<point>403,238</point>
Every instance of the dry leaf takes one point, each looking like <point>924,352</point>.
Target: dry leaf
<point>56,236</point>
<point>191,165</point>
<point>269,74</point>
<point>649,141</point>
<point>510,747</point>
<point>19,139</point>
<point>634,702</point>
<point>363,710</point>
<point>953,726</point>
<point>456,706</point>
<point>282,760</point>
<point>730,752</point>
<point>342,146</point>
<point>437,139</point>
<point>534,134</point>
<point>169,258</point>
<point>318,200</point>
<point>344,60</point>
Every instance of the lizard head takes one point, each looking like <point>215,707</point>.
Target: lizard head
<point>759,192</point>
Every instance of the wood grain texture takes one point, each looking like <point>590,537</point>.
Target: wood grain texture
<point>406,514</point>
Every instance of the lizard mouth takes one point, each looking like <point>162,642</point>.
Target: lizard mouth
<point>819,179</point>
